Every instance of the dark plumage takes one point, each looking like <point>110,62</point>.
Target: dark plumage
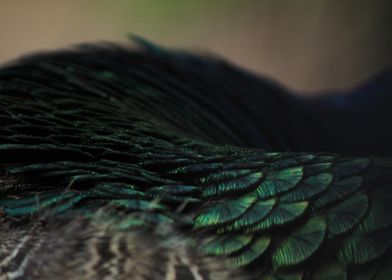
<point>151,163</point>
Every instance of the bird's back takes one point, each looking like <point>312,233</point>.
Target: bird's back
<point>150,163</point>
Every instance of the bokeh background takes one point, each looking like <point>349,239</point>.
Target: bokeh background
<point>308,45</point>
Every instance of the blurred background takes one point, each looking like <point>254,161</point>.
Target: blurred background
<point>308,45</point>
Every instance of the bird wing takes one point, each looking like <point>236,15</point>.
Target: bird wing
<point>101,151</point>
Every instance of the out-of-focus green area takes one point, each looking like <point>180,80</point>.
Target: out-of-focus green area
<point>306,44</point>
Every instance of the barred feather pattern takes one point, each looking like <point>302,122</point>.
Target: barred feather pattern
<point>81,248</point>
<point>167,163</point>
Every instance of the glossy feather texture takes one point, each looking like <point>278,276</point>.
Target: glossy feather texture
<point>152,164</point>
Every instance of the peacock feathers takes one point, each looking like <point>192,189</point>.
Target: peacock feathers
<point>149,163</point>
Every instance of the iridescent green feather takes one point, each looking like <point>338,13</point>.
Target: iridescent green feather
<point>234,185</point>
<point>363,248</point>
<point>338,191</point>
<point>309,188</point>
<point>279,181</point>
<point>300,244</point>
<point>250,254</point>
<point>226,244</point>
<point>347,215</point>
<point>257,212</point>
<point>282,214</point>
<point>223,212</point>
